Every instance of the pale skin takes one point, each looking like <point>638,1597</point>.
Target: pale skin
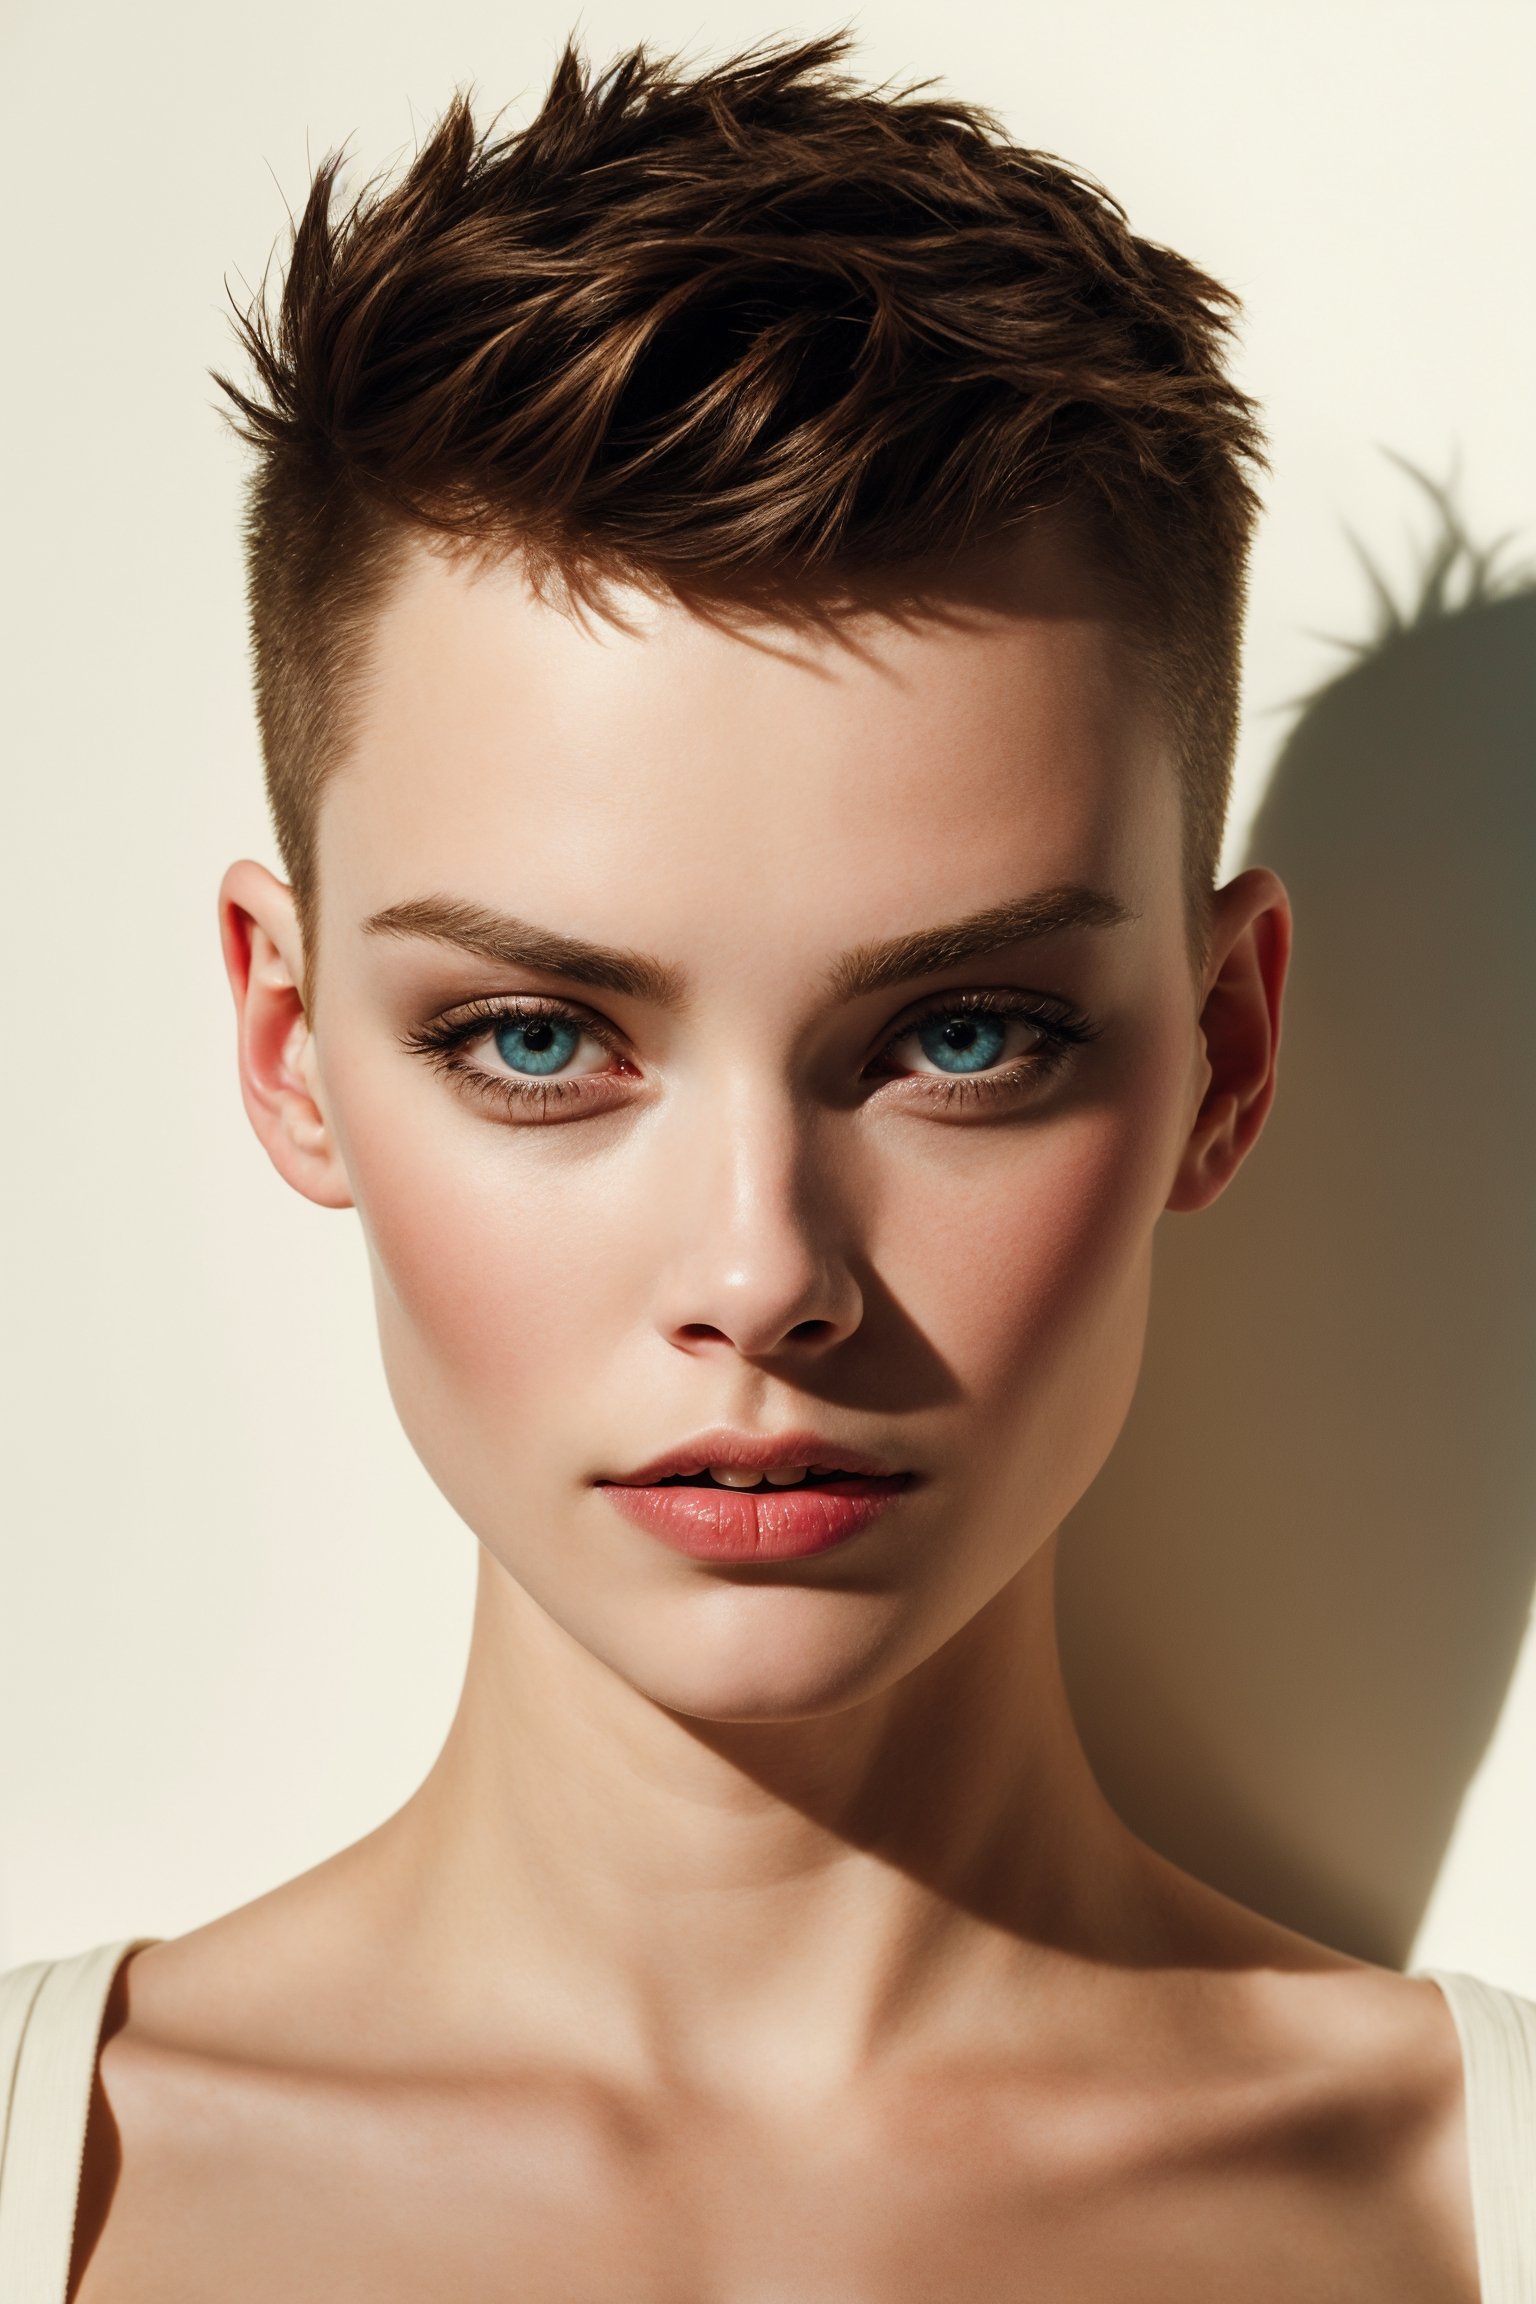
<point>761,1936</point>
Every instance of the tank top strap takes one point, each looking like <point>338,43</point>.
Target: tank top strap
<point>50,2025</point>
<point>1498,2052</point>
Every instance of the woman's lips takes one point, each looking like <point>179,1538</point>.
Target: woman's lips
<point>756,1523</point>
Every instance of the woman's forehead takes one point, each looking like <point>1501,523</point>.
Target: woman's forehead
<point>513,754</point>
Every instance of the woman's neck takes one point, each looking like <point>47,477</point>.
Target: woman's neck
<point>788,1896</point>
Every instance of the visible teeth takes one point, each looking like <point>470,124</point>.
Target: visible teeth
<point>736,1476</point>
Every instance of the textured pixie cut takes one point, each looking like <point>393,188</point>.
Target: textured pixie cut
<point>753,334</point>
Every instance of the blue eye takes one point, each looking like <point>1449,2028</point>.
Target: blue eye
<point>537,1045</point>
<point>962,1042</point>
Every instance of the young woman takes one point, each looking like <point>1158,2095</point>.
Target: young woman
<point>746,583</point>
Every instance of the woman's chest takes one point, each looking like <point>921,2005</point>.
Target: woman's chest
<point>549,2195</point>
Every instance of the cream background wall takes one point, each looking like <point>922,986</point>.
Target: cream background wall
<point>232,1609</point>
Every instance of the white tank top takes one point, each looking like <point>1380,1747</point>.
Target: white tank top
<point>50,2023</point>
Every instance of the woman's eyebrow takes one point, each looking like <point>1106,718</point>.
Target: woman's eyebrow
<point>877,967</point>
<point>512,943</point>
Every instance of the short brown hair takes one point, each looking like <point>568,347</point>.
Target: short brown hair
<point>722,333</point>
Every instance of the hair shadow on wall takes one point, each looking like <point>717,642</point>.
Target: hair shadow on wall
<point>1293,1601</point>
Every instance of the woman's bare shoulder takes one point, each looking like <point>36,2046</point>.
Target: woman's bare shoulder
<point>1270,1998</point>
<point>295,1977</point>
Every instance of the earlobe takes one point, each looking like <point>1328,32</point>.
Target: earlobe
<point>1244,988</point>
<point>263,957</point>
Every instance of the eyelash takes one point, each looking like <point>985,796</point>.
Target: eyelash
<point>442,1041</point>
<point>1063,1029</point>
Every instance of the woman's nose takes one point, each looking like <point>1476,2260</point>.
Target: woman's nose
<point>759,1260</point>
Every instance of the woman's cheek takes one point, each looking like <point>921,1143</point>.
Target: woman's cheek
<point>489,1256</point>
<point>1028,1245</point>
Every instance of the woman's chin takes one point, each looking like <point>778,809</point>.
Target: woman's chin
<point>767,1657</point>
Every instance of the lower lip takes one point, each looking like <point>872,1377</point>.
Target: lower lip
<point>755,1523</point>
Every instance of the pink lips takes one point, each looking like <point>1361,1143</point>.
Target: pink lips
<point>763,1524</point>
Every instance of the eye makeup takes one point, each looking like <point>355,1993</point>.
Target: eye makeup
<point>530,1040</point>
<point>975,1049</point>
<point>532,1058</point>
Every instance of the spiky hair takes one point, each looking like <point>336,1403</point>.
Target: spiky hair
<point>735,333</point>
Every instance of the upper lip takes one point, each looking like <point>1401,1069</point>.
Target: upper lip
<point>754,1452</point>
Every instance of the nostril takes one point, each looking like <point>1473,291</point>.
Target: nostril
<point>810,1332</point>
<point>700,1332</point>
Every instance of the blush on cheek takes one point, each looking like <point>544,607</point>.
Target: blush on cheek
<point>486,1272</point>
<point>1035,1252</point>
<point>1045,1329</point>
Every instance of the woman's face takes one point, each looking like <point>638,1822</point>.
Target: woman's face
<point>730,1034</point>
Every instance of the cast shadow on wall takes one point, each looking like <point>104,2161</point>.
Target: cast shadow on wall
<point>1292,1602</point>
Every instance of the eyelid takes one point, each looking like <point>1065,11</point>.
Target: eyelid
<point>512,1099</point>
<point>468,1019</point>
<point>1047,1009</point>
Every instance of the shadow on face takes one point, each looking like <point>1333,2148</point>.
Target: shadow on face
<point>737,876</point>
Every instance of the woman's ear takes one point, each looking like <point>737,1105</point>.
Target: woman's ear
<point>1242,987</point>
<point>279,1078</point>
